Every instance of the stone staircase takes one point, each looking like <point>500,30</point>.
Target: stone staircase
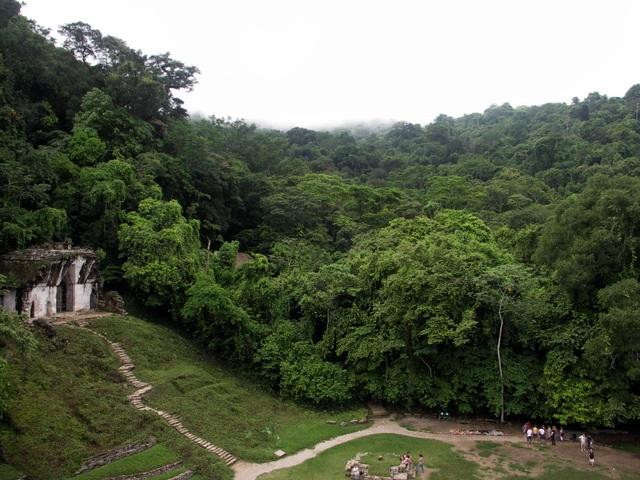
<point>126,369</point>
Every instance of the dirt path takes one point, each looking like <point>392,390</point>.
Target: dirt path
<point>250,471</point>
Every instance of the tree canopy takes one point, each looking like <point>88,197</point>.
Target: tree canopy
<point>484,264</point>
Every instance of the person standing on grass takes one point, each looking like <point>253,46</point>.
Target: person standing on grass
<point>583,442</point>
<point>541,433</point>
<point>552,435</point>
<point>535,431</point>
<point>529,434</point>
<point>592,457</point>
<point>420,464</point>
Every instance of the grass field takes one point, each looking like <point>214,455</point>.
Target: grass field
<point>330,464</point>
<point>216,403</point>
<point>68,403</point>
<point>482,460</point>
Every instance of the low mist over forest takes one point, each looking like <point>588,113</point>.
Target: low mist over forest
<point>486,264</point>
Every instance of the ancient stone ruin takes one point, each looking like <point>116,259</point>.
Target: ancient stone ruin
<point>51,279</point>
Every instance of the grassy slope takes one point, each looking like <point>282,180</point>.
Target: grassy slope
<point>154,457</point>
<point>214,402</point>
<point>330,464</point>
<point>69,403</point>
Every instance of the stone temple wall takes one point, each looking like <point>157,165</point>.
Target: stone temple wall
<point>43,299</point>
<point>65,282</point>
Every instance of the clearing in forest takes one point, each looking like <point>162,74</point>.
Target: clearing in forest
<point>455,457</point>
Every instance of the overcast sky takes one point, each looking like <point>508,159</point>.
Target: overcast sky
<point>320,63</point>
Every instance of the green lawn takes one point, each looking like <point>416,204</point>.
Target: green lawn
<point>154,457</point>
<point>486,448</point>
<point>330,464</point>
<point>7,472</point>
<point>217,403</point>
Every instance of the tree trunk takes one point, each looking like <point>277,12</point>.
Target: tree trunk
<point>500,360</point>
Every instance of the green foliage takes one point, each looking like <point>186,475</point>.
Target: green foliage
<point>4,386</point>
<point>309,379</point>
<point>14,333</point>
<point>592,239</point>
<point>85,146</point>
<point>100,122</point>
<point>217,321</point>
<point>391,257</point>
<point>161,251</point>
<point>14,337</point>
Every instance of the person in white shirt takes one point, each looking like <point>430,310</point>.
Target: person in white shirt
<point>583,442</point>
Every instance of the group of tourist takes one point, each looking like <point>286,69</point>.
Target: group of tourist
<point>407,464</point>
<point>532,432</point>
<point>586,446</point>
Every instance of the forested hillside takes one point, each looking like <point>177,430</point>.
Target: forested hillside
<point>485,264</point>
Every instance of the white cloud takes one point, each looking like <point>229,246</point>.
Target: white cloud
<point>312,63</point>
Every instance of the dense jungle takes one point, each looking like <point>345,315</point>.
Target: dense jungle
<point>485,265</point>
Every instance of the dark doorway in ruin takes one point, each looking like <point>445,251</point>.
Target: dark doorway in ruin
<point>61,297</point>
<point>19,300</point>
<point>32,311</point>
<point>93,299</point>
